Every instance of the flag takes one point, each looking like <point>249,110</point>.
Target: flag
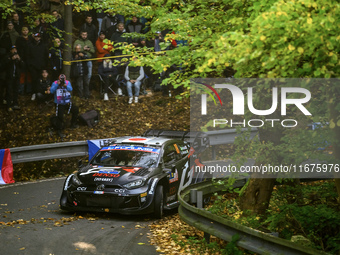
<point>6,167</point>
<point>95,145</point>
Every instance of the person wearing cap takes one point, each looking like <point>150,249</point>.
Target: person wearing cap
<point>62,89</point>
<point>9,37</point>
<point>37,59</point>
<point>13,70</point>
<point>39,28</point>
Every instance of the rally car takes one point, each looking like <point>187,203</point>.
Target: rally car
<point>136,175</point>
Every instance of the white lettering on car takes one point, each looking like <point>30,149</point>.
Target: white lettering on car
<point>103,179</point>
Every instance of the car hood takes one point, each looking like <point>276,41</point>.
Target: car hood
<point>111,175</point>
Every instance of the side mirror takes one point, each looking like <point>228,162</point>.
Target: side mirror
<point>80,163</point>
<point>173,168</point>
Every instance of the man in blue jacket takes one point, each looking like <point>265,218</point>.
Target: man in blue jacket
<point>61,89</point>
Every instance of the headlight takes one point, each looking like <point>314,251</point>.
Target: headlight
<point>134,184</point>
<point>76,180</point>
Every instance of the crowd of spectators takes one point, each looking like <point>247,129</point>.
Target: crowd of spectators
<point>31,56</point>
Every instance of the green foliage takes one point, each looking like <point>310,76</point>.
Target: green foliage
<point>315,215</point>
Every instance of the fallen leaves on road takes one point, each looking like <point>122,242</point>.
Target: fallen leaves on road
<point>172,236</point>
<point>87,247</point>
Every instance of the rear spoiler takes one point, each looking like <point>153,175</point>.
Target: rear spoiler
<point>198,140</point>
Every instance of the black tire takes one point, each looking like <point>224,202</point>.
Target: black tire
<point>159,202</point>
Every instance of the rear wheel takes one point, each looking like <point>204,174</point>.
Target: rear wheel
<point>159,202</point>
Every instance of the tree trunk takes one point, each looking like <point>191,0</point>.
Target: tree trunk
<point>67,56</point>
<point>256,196</point>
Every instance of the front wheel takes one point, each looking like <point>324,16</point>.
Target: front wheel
<point>159,202</point>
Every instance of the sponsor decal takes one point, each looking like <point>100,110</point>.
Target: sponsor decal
<point>143,199</point>
<point>106,175</point>
<point>131,170</point>
<point>119,191</point>
<point>97,192</point>
<point>137,139</point>
<point>176,147</point>
<point>152,188</point>
<point>173,203</point>
<point>98,179</point>
<point>109,171</point>
<point>184,148</point>
<point>171,198</point>
<point>100,169</point>
<point>143,194</point>
<point>81,188</point>
<point>131,148</point>
<point>173,177</point>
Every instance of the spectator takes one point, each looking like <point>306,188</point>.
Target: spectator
<point>58,25</point>
<point>3,60</point>
<point>57,5</point>
<point>80,71</point>
<point>109,74</point>
<point>90,28</point>
<point>155,41</point>
<point>61,89</point>
<point>38,27</point>
<point>9,37</point>
<point>133,76</point>
<point>56,58</point>
<point>88,48</point>
<point>118,39</point>
<point>22,44</point>
<point>14,66</point>
<point>109,24</point>
<point>37,59</point>
<point>100,16</point>
<point>16,22</point>
<point>100,47</point>
<point>136,27</point>
<point>43,94</point>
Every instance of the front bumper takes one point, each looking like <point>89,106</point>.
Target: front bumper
<point>140,203</point>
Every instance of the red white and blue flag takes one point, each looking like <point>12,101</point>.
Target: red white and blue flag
<point>6,167</point>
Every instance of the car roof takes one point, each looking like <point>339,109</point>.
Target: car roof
<point>142,140</point>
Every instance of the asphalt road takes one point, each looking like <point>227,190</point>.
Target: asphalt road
<point>32,223</point>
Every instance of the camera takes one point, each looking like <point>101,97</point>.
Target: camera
<point>62,80</point>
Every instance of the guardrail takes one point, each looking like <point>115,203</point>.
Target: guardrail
<point>73,149</point>
<point>222,228</point>
<point>48,151</point>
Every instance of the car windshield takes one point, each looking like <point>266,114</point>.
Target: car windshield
<point>127,156</point>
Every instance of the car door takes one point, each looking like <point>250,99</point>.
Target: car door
<point>175,162</point>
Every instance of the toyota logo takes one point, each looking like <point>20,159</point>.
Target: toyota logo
<point>101,187</point>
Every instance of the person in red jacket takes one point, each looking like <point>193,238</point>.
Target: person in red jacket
<point>100,50</point>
